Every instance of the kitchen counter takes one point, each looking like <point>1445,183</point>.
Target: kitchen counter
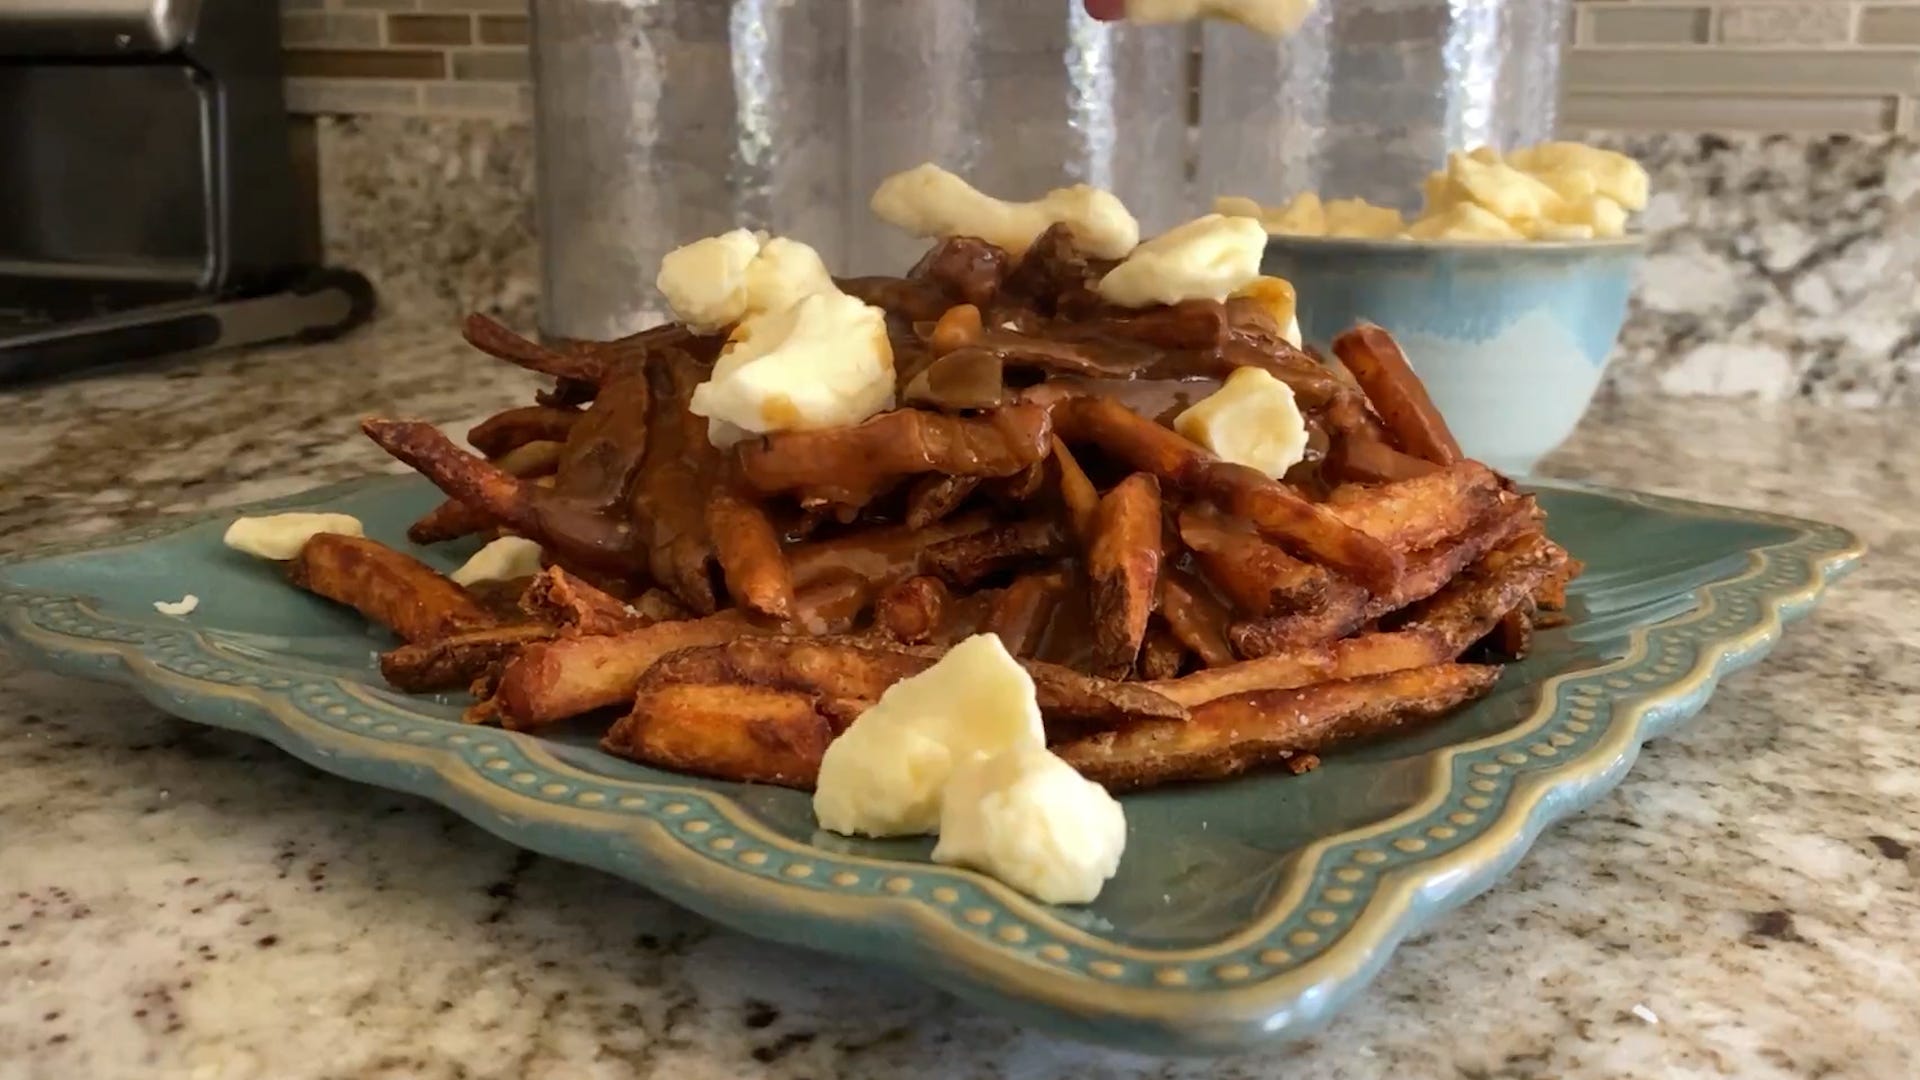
<point>179,901</point>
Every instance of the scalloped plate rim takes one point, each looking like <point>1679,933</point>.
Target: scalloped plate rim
<point>907,929</point>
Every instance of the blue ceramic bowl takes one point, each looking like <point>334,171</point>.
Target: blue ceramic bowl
<point>1511,339</point>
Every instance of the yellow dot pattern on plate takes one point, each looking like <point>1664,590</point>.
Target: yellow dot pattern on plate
<point>1578,728</point>
<point>676,808</point>
<point>1322,918</point>
<point>1348,874</point>
<point>591,798</point>
<point>553,789</point>
<point>1483,785</point>
<point>458,740</point>
<point>1513,757</point>
<point>1541,749</point>
<point>845,878</point>
<point>897,885</point>
<point>1170,977</point>
<point>1232,972</point>
<point>1410,844</point>
<point>1486,768</point>
<point>1476,802</point>
<point>1463,818</point>
<point>1012,935</point>
<point>632,802</point>
<point>1106,969</point>
<point>1275,957</point>
<point>1560,738</point>
<point>753,858</point>
<point>724,843</point>
<point>336,710</point>
<point>946,894</point>
<point>697,826</point>
<point>978,916</point>
<point>1442,832</point>
<point>798,870</point>
<point>499,764</point>
<point>1338,895</point>
<point>1582,714</point>
<point>523,778</point>
<point>1368,855</point>
<point>1619,683</point>
<point>1304,938</point>
<point>1056,953</point>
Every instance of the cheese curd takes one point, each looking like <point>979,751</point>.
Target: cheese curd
<point>1554,191</point>
<point>281,536</point>
<point>823,362</point>
<point>504,559</point>
<point>1277,296</point>
<point>1026,817</point>
<point>929,201</point>
<point>177,608</point>
<point>1275,18</point>
<point>713,283</point>
<point>886,774</point>
<point>1207,258</point>
<point>1251,420</point>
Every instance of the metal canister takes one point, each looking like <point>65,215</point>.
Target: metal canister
<point>1371,95</point>
<point>662,121</point>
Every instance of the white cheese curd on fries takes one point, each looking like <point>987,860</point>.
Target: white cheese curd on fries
<point>1026,817</point>
<point>930,201</point>
<point>281,536</point>
<point>504,559</point>
<point>1252,420</point>
<point>823,362</point>
<point>713,283</point>
<point>884,775</point>
<point>1208,258</point>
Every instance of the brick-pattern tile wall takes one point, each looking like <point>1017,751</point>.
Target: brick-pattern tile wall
<point>1716,65</point>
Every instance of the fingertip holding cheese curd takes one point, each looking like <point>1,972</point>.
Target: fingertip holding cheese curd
<point>1554,191</point>
<point>1207,258</point>
<point>717,281</point>
<point>281,536</point>
<point>504,559</point>
<point>823,362</point>
<point>1251,420</point>
<point>1026,817</point>
<point>884,775</point>
<point>929,201</point>
<point>1275,18</point>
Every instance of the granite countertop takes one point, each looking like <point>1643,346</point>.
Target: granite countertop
<point>178,901</point>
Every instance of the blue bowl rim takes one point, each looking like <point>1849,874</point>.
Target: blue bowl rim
<point>1632,243</point>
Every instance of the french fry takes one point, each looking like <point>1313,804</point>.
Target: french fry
<point>604,449</point>
<point>912,611</point>
<point>1410,515</point>
<point>1082,499</point>
<point>749,554</point>
<point>1473,603</point>
<point>1255,576</point>
<point>452,662</point>
<point>849,465</point>
<point>668,500</point>
<point>879,556</point>
<point>563,600</point>
<point>965,560</point>
<point>966,267</point>
<point>1123,571</point>
<point>1161,654</point>
<point>553,680</point>
<point>509,430</point>
<point>1397,394</point>
<point>494,339</point>
<point>932,498</point>
<point>452,520</point>
<point>1269,506</point>
<point>395,590</point>
<point>1197,620</point>
<point>1358,459</point>
<point>1349,658</point>
<point>754,734</point>
<point>1021,612</point>
<point>1231,735</point>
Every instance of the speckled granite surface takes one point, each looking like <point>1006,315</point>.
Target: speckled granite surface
<point>180,902</point>
<point>1778,267</point>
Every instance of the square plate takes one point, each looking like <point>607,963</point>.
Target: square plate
<point>1245,912</point>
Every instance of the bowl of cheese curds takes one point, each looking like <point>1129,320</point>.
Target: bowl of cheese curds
<point>1507,291</point>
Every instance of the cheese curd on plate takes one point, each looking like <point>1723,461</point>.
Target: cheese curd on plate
<point>281,536</point>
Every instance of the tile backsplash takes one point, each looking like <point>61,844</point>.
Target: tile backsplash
<point>1708,65</point>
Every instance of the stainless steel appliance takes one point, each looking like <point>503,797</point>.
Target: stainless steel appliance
<point>149,199</point>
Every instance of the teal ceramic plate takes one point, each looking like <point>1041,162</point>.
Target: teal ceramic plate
<point>1245,912</point>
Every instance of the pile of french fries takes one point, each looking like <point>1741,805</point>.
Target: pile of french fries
<point>728,612</point>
